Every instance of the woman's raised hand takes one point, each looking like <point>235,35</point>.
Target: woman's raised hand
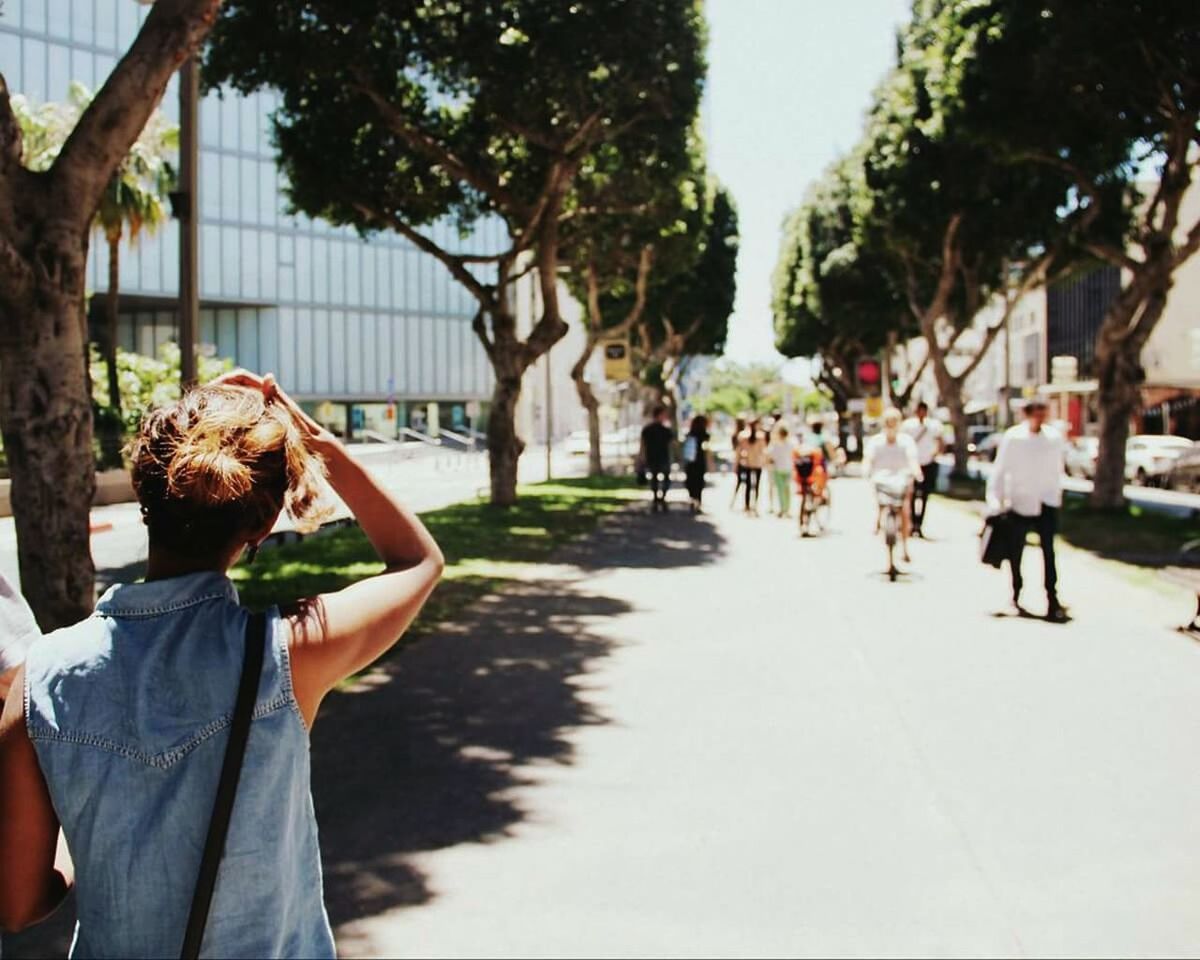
<point>315,436</point>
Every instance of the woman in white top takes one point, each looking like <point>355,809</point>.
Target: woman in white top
<point>892,452</point>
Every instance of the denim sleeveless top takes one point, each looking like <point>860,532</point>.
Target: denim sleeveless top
<point>129,713</point>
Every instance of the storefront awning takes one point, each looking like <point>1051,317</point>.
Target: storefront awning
<point>1075,386</point>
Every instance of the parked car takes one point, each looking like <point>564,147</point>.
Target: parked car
<point>1185,471</point>
<point>1081,456</point>
<point>615,443</point>
<point>1149,457</point>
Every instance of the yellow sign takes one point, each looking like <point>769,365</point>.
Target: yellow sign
<point>617,365</point>
<point>874,407</point>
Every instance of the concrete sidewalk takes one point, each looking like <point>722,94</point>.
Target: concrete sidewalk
<point>706,737</point>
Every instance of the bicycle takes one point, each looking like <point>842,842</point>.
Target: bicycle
<point>814,507</point>
<point>891,492</point>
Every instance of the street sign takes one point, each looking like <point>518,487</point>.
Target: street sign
<point>856,405</point>
<point>617,365</point>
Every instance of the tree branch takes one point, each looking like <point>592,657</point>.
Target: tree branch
<point>454,263</point>
<point>11,141</point>
<point>112,122</point>
<point>1189,246</point>
<point>429,147</point>
<point>479,325</point>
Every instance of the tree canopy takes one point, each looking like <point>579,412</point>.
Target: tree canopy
<point>403,115</point>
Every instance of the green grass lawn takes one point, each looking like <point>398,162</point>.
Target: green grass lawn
<point>1132,535</point>
<point>484,547</point>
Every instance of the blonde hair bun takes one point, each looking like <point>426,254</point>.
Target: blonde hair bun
<point>221,463</point>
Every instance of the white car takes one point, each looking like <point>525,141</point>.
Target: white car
<point>1149,457</point>
<point>612,444</point>
<point>1081,456</point>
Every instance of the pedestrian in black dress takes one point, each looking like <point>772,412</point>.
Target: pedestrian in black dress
<point>695,460</point>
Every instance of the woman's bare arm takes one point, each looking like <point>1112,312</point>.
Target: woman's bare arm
<point>31,886</point>
<point>335,635</point>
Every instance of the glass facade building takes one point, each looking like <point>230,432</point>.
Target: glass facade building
<point>371,334</point>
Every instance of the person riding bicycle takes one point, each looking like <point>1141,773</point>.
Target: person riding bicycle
<point>823,452</point>
<point>890,453</point>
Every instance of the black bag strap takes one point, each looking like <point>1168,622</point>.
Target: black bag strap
<point>235,751</point>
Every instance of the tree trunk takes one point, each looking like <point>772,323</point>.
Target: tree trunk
<point>1118,364</point>
<point>1119,370</point>
<point>951,397</point>
<point>46,419</point>
<point>110,428</point>
<point>587,397</point>
<point>504,446</point>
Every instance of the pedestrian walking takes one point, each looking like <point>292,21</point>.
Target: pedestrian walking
<point>739,424</point>
<point>657,441</point>
<point>780,454</point>
<point>926,433</point>
<point>133,715</point>
<point>696,461</point>
<point>751,458</point>
<point>1026,483</point>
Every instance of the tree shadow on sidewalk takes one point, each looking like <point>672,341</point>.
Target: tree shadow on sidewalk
<point>433,748</point>
<point>639,539</point>
<point>423,753</point>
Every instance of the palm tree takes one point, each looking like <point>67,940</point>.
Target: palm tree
<point>134,200</point>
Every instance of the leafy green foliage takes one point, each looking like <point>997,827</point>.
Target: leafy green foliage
<point>753,388</point>
<point>425,110</point>
<point>135,197</point>
<point>833,294</point>
<point>147,382</point>
<point>688,312</point>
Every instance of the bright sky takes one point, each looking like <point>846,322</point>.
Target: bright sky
<point>788,84</point>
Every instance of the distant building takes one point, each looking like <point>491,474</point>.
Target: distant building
<point>372,336</point>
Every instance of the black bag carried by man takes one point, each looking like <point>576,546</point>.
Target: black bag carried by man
<point>995,539</point>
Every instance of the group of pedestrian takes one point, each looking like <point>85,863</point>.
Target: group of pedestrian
<point>790,460</point>
<point>116,731</point>
<point>656,456</point>
<point>1024,488</point>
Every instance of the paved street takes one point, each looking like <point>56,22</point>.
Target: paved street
<point>709,738</point>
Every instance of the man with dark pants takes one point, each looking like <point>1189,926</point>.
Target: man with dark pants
<point>1027,484</point>
<point>927,435</point>
<point>657,441</point>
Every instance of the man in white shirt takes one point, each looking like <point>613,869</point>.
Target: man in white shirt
<point>926,433</point>
<point>1027,482</point>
